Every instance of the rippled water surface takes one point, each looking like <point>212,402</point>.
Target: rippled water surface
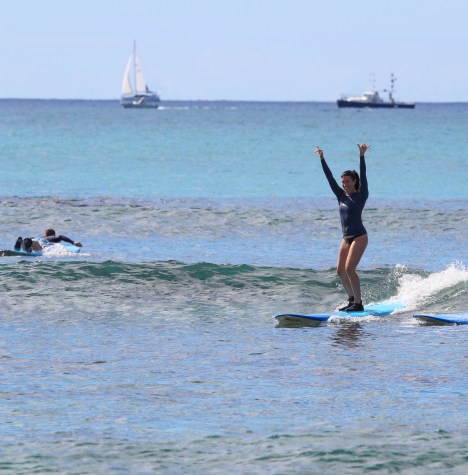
<point>154,349</point>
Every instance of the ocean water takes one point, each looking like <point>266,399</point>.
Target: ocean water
<point>154,350</point>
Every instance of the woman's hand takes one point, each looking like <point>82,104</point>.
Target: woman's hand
<point>319,152</point>
<point>362,149</point>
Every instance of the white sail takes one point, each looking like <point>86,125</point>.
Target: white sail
<point>127,88</point>
<point>138,96</point>
<point>140,83</point>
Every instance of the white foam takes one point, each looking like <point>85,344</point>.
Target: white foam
<point>416,289</point>
<point>57,250</point>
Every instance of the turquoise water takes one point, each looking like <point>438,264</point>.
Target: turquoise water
<point>154,350</point>
<point>227,150</point>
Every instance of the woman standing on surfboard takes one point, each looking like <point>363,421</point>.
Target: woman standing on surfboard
<point>352,197</point>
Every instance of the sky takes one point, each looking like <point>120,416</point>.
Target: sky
<point>254,50</point>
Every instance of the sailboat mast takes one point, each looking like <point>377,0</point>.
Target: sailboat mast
<point>134,66</point>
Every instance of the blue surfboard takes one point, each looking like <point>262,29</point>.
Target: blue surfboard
<point>443,319</point>
<point>377,310</point>
<point>22,253</point>
<point>13,253</point>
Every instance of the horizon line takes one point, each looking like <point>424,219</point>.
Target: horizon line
<point>210,100</point>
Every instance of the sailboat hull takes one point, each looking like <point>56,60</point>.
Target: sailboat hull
<point>137,95</point>
<point>140,102</point>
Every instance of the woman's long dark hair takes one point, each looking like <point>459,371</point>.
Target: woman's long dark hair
<point>353,174</point>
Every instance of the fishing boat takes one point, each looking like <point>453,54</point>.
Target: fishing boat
<point>373,99</point>
<point>136,94</point>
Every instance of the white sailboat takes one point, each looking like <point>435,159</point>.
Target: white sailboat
<point>139,95</point>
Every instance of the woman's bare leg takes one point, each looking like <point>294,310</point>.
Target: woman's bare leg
<point>356,250</point>
<point>341,267</point>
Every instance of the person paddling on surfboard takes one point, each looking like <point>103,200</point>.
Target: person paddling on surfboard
<point>29,244</point>
<point>352,197</point>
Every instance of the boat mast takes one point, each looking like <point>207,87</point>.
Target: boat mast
<point>392,82</point>
<point>134,66</point>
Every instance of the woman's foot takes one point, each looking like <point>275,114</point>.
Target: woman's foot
<point>350,302</point>
<point>355,307</point>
